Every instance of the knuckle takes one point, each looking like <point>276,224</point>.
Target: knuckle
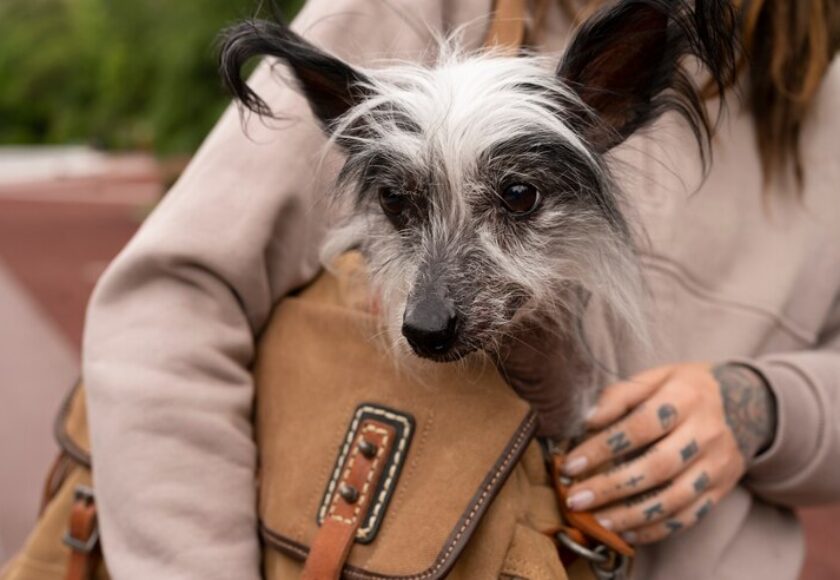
<point>699,484</point>
<point>703,509</point>
<point>660,465</point>
<point>625,519</point>
<point>674,496</point>
<point>605,491</point>
<point>588,448</point>
<point>617,395</point>
<point>666,415</point>
<point>617,441</point>
<point>650,535</point>
<point>688,450</point>
<point>725,465</point>
<point>678,385</point>
<point>653,511</point>
<point>711,437</point>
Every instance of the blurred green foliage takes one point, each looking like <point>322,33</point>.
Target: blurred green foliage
<point>120,74</point>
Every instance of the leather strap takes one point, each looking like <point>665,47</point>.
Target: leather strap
<point>58,473</point>
<point>361,474</point>
<point>507,29</point>
<point>582,526</point>
<point>82,536</point>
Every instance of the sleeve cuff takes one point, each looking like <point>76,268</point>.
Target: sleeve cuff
<point>796,438</point>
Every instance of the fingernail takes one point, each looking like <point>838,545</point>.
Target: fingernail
<point>605,523</point>
<point>590,413</point>
<point>574,466</point>
<point>580,500</point>
<point>630,537</point>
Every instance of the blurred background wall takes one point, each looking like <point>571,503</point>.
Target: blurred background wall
<point>102,102</point>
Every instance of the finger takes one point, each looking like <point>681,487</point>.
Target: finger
<point>657,466</point>
<point>682,520</point>
<point>647,423</point>
<point>619,398</point>
<point>663,503</point>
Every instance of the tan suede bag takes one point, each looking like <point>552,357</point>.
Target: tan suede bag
<point>366,471</point>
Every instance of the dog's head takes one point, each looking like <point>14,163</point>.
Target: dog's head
<point>480,188</point>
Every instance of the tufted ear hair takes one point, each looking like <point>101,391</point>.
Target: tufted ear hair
<point>331,86</point>
<point>625,63</point>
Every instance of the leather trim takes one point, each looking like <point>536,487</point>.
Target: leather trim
<point>461,533</point>
<point>403,425</point>
<point>65,442</point>
<point>364,462</point>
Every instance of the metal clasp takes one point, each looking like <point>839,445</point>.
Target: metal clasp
<point>605,563</point>
<point>83,494</point>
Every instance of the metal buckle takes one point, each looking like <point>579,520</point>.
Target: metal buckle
<point>595,555</point>
<point>82,493</point>
<point>605,563</point>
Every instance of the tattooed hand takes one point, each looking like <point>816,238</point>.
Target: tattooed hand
<point>689,431</point>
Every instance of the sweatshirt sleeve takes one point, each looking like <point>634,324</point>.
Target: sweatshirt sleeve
<point>170,329</point>
<point>802,466</point>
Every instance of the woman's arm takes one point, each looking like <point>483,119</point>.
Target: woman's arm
<point>170,329</point>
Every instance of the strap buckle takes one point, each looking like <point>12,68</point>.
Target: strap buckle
<point>84,495</point>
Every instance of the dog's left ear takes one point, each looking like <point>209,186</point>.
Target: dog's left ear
<point>624,64</point>
<point>331,86</point>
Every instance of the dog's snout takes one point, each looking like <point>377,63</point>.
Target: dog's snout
<point>430,326</point>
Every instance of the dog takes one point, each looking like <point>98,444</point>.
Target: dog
<point>480,187</point>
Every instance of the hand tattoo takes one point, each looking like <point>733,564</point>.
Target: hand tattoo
<point>634,481</point>
<point>667,416</point>
<point>653,511</point>
<point>618,442</point>
<point>689,451</point>
<point>702,482</point>
<point>673,526</point>
<point>749,407</point>
<point>704,510</point>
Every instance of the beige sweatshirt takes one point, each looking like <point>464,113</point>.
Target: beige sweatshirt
<point>170,329</point>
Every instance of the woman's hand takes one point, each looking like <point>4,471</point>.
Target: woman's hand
<point>694,429</point>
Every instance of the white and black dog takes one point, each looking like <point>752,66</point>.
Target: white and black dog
<point>481,193</point>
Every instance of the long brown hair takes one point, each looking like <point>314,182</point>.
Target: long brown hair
<point>788,46</point>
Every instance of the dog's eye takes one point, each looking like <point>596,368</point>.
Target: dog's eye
<point>520,199</point>
<point>393,204</point>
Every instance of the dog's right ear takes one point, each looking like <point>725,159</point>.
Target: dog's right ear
<point>331,86</point>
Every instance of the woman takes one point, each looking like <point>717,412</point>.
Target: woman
<point>744,274</point>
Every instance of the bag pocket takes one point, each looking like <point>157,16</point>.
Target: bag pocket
<point>531,556</point>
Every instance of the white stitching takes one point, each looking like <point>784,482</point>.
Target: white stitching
<point>400,449</point>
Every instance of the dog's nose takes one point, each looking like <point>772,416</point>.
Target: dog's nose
<point>430,326</point>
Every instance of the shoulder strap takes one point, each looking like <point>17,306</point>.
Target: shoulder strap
<point>507,29</point>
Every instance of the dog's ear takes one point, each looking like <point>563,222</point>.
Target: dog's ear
<point>624,64</point>
<point>331,86</point>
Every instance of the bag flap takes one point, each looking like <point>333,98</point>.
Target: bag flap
<point>318,362</point>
